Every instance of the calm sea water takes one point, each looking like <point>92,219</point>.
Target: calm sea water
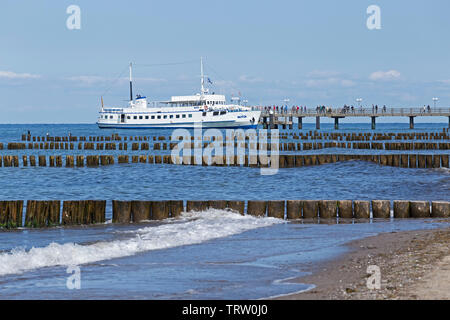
<point>204,255</point>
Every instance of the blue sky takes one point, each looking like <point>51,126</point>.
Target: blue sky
<point>312,52</point>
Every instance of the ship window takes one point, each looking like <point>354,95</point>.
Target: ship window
<point>153,117</point>
<point>159,117</point>
<point>110,117</point>
<point>171,116</point>
<point>204,113</point>
<point>177,116</point>
<point>165,116</point>
<point>140,117</point>
<point>215,113</point>
<point>190,115</point>
<point>128,117</point>
<point>146,117</point>
<point>223,112</point>
<point>135,117</point>
<point>183,116</point>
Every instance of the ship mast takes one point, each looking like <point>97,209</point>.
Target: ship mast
<point>203,91</point>
<point>131,83</point>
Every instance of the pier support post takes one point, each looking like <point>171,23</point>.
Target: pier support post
<point>411,122</point>
<point>300,122</point>
<point>318,123</point>
<point>336,123</point>
<point>271,121</point>
<point>373,123</point>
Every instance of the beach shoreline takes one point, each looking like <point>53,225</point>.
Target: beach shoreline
<point>413,265</point>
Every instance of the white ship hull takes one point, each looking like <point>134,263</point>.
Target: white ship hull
<point>177,119</point>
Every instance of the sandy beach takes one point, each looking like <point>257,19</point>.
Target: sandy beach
<point>413,265</point>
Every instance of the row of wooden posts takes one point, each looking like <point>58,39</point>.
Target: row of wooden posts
<point>286,146</point>
<point>48,213</point>
<point>284,161</point>
<point>315,135</point>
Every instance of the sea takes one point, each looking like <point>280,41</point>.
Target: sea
<point>214,254</point>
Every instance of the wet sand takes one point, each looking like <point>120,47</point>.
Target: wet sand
<point>413,265</point>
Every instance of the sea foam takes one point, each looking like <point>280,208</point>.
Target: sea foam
<point>191,228</point>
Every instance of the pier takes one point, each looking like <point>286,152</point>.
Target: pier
<point>272,119</point>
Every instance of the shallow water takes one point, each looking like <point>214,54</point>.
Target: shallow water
<point>199,261</point>
<point>202,256</point>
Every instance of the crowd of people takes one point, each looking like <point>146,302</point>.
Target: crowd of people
<point>322,109</point>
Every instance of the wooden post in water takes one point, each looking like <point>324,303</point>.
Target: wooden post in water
<point>121,211</point>
<point>328,209</point>
<point>194,205</point>
<point>11,214</point>
<point>361,209</point>
<point>140,210</point>
<point>160,210</point>
<point>381,209</point>
<point>310,209</point>
<point>345,209</point>
<point>275,209</point>
<point>256,208</point>
<point>293,209</point>
<point>401,209</point>
<point>419,209</point>
<point>440,209</point>
<point>176,207</point>
<point>238,206</point>
<point>217,204</point>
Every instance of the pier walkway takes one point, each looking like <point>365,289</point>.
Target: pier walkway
<point>271,118</point>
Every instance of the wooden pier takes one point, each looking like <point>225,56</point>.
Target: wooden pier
<point>272,119</point>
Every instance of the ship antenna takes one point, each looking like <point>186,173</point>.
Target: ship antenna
<point>131,83</point>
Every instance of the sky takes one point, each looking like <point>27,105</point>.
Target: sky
<point>310,52</point>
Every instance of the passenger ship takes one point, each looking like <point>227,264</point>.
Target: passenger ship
<point>201,110</point>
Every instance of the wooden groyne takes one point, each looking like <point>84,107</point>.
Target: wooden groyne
<point>303,135</point>
<point>282,146</point>
<point>49,213</point>
<point>403,160</point>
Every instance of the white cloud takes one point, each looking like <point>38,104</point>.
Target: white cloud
<point>250,79</point>
<point>321,83</point>
<point>88,80</point>
<point>93,80</point>
<point>385,75</point>
<point>318,74</point>
<point>14,75</point>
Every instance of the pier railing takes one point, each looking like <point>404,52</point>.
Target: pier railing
<point>358,112</point>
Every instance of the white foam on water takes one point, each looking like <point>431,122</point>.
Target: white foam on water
<point>191,228</point>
